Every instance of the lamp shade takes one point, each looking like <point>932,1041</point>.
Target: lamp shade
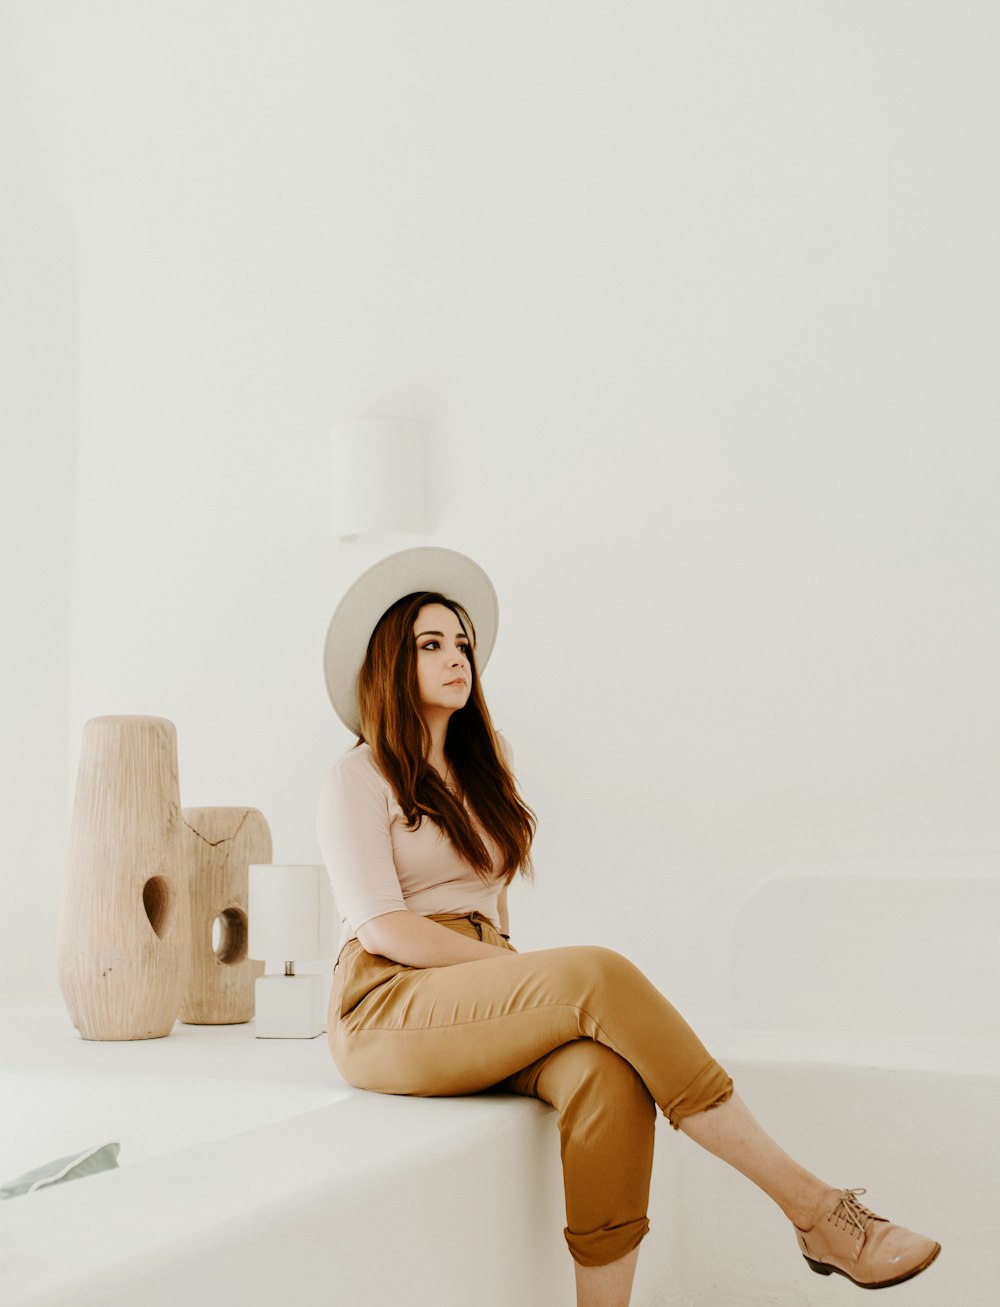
<point>379,475</point>
<point>291,913</point>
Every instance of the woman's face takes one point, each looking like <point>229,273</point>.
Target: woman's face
<point>444,658</point>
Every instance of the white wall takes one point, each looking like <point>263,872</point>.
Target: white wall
<point>38,430</point>
<point>701,302</point>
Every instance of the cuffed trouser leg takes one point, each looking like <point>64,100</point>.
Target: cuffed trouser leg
<point>464,1028</point>
<point>607,1119</point>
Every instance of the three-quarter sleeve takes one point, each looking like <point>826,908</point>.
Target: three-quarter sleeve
<point>352,824</point>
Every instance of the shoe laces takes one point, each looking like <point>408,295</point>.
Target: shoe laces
<point>850,1214</point>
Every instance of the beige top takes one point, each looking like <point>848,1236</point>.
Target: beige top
<point>377,866</point>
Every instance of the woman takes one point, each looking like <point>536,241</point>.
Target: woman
<point>422,829</point>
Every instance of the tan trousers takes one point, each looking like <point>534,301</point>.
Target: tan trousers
<point>580,1028</point>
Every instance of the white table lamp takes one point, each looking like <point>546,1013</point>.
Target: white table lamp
<point>291,919</point>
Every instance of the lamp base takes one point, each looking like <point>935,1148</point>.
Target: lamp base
<point>289,1007</point>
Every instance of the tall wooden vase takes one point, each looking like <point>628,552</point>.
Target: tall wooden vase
<point>123,935</point>
<point>219,845</point>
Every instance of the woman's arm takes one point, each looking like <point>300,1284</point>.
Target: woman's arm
<point>417,941</point>
<point>502,912</point>
<point>352,826</point>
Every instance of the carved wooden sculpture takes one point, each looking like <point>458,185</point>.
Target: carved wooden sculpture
<point>124,940</point>
<point>219,845</point>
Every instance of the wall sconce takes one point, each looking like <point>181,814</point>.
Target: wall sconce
<point>291,920</point>
<point>379,476</point>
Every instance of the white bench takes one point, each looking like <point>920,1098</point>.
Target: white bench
<point>458,1202</point>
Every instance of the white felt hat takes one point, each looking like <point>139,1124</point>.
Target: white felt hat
<point>425,567</point>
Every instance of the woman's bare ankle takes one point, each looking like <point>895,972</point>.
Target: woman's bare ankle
<point>812,1208</point>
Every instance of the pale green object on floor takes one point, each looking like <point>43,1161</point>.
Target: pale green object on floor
<point>103,1157</point>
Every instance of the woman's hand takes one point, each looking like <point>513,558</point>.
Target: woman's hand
<point>502,912</point>
<point>417,941</point>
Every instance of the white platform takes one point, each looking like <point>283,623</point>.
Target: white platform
<point>250,1173</point>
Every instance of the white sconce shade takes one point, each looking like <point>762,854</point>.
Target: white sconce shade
<point>291,913</point>
<point>380,475</point>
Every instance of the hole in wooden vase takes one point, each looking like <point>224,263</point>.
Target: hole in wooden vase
<point>156,901</point>
<point>229,935</point>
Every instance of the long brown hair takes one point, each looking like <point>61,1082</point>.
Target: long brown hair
<point>394,730</point>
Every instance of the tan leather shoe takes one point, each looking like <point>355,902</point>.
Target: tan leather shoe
<point>866,1248</point>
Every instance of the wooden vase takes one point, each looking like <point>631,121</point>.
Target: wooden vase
<point>219,845</point>
<point>123,938</point>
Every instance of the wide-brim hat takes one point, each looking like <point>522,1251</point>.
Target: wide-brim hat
<point>426,567</point>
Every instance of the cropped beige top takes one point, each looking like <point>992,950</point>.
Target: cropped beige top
<point>376,865</point>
